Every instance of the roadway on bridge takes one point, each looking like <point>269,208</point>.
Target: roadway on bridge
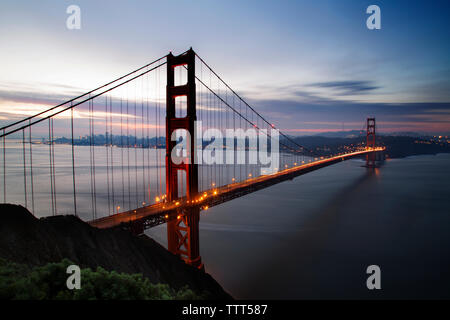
<point>165,211</point>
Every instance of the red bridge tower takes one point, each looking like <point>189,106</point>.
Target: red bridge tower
<point>183,232</point>
<point>371,142</point>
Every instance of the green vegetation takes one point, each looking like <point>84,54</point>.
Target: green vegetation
<point>18,281</point>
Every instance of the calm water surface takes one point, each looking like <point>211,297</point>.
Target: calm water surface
<point>314,237</point>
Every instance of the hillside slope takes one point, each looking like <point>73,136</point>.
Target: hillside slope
<point>28,240</point>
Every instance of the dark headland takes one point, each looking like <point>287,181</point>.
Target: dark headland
<point>28,240</point>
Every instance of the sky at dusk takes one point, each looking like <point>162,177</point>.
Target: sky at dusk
<point>308,66</point>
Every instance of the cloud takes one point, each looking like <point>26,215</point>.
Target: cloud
<point>332,105</point>
<point>294,109</point>
<point>46,94</point>
<point>351,87</point>
<point>295,116</point>
<point>328,92</point>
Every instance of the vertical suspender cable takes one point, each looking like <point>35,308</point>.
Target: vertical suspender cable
<point>24,169</point>
<point>90,159</point>
<point>158,136</point>
<point>158,187</point>
<point>73,163</point>
<point>128,157</point>
<point>50,164</point>
<point>53,165</point>
<point>142,140</point>
<point>112,155</point>
<point>93,159</point>
<point>135,147</point>
<point>4,166</point>
<point>107,153</point>
<point>121,153</point>
<point>31,169</point>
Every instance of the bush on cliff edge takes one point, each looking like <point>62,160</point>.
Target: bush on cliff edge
<point>18,281</point>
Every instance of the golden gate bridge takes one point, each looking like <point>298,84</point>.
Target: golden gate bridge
<point>130,129</point>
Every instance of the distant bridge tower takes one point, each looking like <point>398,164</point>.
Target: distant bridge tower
<point>183,232</point>
<point>371,142</point>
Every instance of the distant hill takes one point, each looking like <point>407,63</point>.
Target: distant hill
<point>396,146</point>
<point>341,134</point>
<point>356,133</point>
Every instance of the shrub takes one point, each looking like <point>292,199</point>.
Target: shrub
<point>18,281</point>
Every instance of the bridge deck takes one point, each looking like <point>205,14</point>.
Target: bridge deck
<point>162,212</point>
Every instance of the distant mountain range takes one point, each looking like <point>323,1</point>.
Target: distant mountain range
<point>397,146</point>
<point>400,144</point>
